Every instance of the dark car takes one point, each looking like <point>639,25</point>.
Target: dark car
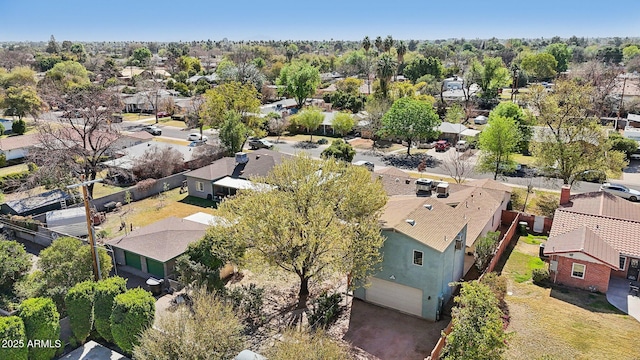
<point>260,144</point>
<point>594,176</point>
<point>442,145</point>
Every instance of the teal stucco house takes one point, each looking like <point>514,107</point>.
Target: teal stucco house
<point>423,254</point>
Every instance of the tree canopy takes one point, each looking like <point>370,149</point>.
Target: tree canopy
<point>562,54</point>
<point>421,66</point>
<point>339,233</point>
<point>339,150</point>
<point>299,80</point>
<point>524,122</point>
<point>498,142</point>
<point>541,66</point>
<point>410,119</point>
<point>490,75</point>
<point>14,262</point>
<point>572,140</point>
<point>310,119</point>
<point>342,123</point>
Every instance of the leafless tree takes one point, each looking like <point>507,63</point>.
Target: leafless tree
<point>205,155</point>
<point>458,165</point>
<point>150,90</point>
<point>603,79</point>
<point>192,116</point>
<point>277,124</point>
<point>75,146</point>
<point>14,58</point>
<point>158,162</point>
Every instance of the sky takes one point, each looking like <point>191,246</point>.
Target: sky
<point>163,20</point>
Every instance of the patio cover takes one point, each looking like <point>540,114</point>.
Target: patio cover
<point>240,184</point>
<point>470,132</point>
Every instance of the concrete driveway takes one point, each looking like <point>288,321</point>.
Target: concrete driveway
<point>619,296</point>
<point>387,334</point>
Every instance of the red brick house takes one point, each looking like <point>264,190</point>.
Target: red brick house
<point>594,236</point>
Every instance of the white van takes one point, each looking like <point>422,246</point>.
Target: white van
<point>462,145</point>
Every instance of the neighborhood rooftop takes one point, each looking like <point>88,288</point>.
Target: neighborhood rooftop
<point>583,239</point>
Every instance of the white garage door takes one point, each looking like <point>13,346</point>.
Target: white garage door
<point>395,296</point>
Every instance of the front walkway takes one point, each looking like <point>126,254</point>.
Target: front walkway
<point>619,296</point>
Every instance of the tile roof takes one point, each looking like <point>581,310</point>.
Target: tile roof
<point>142,135</point>
<point>584,240</point>
<point>621,234</point>
<point>260,163</point>
<point>604,204</point>
<point>19,142</point>
<point>436,227</point>
<point>162,240</point>
<point>392,171</point>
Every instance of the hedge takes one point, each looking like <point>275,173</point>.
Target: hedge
<point>132,313</point>
<point>79,303</point>
<point>105,291</point>
<point>13,338</point>
<point>42,323</point>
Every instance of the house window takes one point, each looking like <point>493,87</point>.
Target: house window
<point>577,270</point>
<point>200,186</point>
<point>417,257</point>
<point>623,262</point>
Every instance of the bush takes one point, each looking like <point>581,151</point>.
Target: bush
<point>14,262</point>
<point>485,247</point>
<point>79,303</point>
<point>132,313</point>
<point>247,302</point>
<point>305,345</point>
<point>19,127</point>
<point>540,276</point>
<point>3,160</point>
<point>41,322</point>
<point>146,184</point>
<point>13,338</point>
<point>497,284</point>
<point>105,291</point>
<point>326,310</point>
<point>339,150</point>
<point>546,205</point>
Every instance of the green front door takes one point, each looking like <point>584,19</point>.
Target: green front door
<point>156,268</point>
<point>133,260</point>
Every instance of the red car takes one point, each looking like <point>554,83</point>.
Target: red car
<point>442,145</point>
<point>162,114</point>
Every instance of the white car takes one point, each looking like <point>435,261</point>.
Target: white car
<point>634,156</point>
<point>621,190</point>
<point>196,137</point>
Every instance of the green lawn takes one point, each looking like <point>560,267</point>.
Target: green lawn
<point>521,265</point>
<point>136,116</point>
<point>533,239</point>
<point>8,170</point>
<point>523,159</point>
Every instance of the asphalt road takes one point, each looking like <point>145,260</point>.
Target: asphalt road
<point>632,173</point>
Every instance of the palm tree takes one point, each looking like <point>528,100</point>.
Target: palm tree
<point>401,50</point>
<point>366,44</point>
<point>378,43</point>
<point>385,69</point>
<point>387,44</point>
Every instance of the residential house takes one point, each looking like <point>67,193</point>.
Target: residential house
<point>454,132</point>
<point>422,255</point>
<point>17,147</point>
<point>593,237</point>
<point>142,101</point>
<point>227,175</point>
<point>153,249</point>
<point>126,158</point>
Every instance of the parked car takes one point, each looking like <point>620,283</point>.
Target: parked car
<point>621,190</point>
<point>442,145</point>
<point>196,143</point>
<point>510,169</point>
<point>594,176</point>
<point>260,144</point>
<point>480,120</point>
<point>197,136</point>
<point>462,146</point>
<point>153,130</point>
<point>367,164</point>
<point>634,156</point>
<point>162,114</point>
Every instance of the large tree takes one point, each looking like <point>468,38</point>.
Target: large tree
<point>562,54</point>
<point>342,123</point>
<point>299,80</point>
<point>312,223</point>
<point>410,119</point>
<point>490,75</point>
<point>498,141</point>
<point>21,101</point>
<point>71,148</point>
<point>522,118</point>
<point>233,133</point>
<point>421,66</point>
<point>231,96</point>
<point>67,262</point>
<point>14,262</point>
<point>541,66</point>
<point>310,119</point>
<point>571,140</point>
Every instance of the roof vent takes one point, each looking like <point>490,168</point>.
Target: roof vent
<point>397,180</point>
<point>242,158</point>
<point>411,222</point>
<point>428,206</point>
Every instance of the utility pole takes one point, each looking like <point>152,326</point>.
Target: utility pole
<point>87,209</point>
<point>624,85</point>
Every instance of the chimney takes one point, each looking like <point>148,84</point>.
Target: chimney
<point>565,193</point>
